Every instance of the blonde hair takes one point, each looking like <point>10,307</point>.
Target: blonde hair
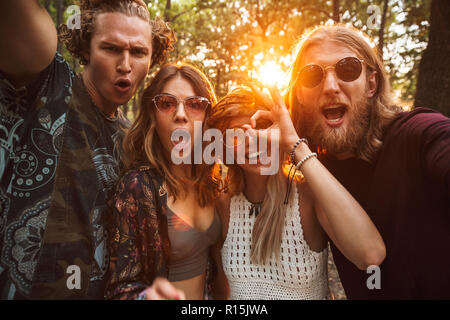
<point>381,109</point>
<point>78,40</point>
<point>269,225</point>
<point>142,145</point>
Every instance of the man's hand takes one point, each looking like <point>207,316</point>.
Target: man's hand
<point>162,289</point>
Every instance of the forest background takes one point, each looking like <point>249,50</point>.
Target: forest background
<point>239,39</point>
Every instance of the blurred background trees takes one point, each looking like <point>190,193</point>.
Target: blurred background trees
<point>231,40</point>
<point>433,84</point>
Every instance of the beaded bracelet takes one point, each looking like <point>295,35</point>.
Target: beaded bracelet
<point>309,156</point>
<point>292,153</point>
<point>142,295</point>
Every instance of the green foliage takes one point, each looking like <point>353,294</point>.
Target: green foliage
<point>229,39</point>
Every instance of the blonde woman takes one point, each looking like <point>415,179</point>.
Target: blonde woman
<point>278,250</point>
<point>164,222</point>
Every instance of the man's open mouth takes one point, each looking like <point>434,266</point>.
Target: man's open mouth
<point>334,113</point>
<point>123,84</point>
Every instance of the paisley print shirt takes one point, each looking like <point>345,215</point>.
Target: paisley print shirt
<point>58,163</point>
<point>139,238</point>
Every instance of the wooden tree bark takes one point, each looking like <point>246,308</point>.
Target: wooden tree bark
<point>59,18</point>
<point>433,84</point>
<point>336,15</point>
<point>167,10</point>
<point>382,26</point>
<point>47,5</point>
<point>218,79</point>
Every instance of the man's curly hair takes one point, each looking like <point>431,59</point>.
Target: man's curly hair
<point>78,40</point>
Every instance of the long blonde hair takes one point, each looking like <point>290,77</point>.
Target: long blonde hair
<point>382,110</point>
<point>269,225</point>
<point>142,145</point>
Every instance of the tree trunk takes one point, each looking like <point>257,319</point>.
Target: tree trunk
<point>167,10</point>
<point>218,79</point>
<point>59,18</point>
<point>381,32</point>
<point>47,5</point>
<point>433,84</point>
<point>336,15</point>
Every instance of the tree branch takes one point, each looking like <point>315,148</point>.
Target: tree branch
<point>180,14</point>
<point>317,9</point>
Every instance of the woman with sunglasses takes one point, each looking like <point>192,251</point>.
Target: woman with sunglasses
<point>164,222</point>
<point>275,228</point>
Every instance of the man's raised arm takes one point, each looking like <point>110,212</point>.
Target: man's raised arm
<point>28,39</point>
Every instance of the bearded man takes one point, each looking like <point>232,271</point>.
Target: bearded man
<point>60,136</point>
<point>395,163</point>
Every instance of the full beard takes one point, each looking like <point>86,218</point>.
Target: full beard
<point>341,139</point>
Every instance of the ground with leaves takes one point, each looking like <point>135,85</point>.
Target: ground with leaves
<point>334,283</point>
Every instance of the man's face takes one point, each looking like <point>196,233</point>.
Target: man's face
<point>119,58</point>
<point>334,114</point>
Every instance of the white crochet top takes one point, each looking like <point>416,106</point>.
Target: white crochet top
<point>300,272</point>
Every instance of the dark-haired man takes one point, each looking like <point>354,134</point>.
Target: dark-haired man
<point>60,136</point>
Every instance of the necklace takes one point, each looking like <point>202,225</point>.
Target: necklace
<point>255,207</point>
<point>107,117</point>
<point>113,118</point>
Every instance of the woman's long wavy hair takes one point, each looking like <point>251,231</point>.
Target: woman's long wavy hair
<point>142,145</point>
<point>381,108</point>
<point>78,41</point>
<point>269,225</point>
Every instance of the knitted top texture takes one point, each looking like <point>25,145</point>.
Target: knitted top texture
<point>299,273</point>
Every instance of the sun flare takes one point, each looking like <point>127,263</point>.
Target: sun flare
<point>270,74</point>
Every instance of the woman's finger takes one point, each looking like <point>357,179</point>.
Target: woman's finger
<point>276,97</point>
<point>162,289</point>
<point>151,294</point>
<point>261,115</point>
<point>168,291</point>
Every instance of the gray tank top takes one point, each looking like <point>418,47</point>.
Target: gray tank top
<point>189,247</point>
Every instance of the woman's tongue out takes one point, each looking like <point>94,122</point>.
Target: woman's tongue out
<point>180,144</point>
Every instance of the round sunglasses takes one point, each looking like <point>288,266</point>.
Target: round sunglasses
<point>167,104</point>
<point>347,69</point>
